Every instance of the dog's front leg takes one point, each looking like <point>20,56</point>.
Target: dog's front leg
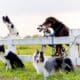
<point>8,65</point>
<point>46,74</point>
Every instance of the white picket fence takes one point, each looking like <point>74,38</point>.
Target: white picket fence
<point>73,40</point>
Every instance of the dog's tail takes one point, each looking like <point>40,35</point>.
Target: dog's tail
<point>68,64</point>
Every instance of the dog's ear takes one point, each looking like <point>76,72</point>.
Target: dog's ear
<point>2,48</point>
<point>42,56</point>
<point>6,19</point>
<point>37,51</point>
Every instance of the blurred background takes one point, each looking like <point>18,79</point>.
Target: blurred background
<point>26,15</point>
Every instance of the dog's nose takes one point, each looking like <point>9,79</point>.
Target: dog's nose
<point>37,61</point>
<point>40,25</point>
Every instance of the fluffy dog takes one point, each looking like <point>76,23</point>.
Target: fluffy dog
<point>48,66</point>
<point>38,61</point>
<point>11,60</point>
<point>58,28</point>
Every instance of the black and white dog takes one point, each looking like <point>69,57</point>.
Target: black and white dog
<point>38,61</point>
<point>12,30</point>
<point>11,60</point>
<point>48,66</point>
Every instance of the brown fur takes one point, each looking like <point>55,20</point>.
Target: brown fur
<point>59,30</point>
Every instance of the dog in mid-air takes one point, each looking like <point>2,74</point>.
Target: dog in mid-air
<point>12,30</point>
<point>48,66</point>
<point>10,59</point>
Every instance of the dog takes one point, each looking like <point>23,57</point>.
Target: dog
<point>10,59</point>
<point>48,66</point>
<point>58,28</point>
<point>12,30</point>
<point>38,61</point>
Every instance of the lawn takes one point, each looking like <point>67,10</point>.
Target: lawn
<point>30,49</point>
<point>29,73</point>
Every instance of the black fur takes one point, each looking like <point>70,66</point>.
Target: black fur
<point>41,56</point>
<point>2,49</point>
<point>6,19</point>
<point>56,63</point>
<point>14,60</point>
<point>69,66</point>
<point>12,26</point>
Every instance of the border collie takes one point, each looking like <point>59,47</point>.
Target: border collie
<point>12,61</point>
<point>12,30</point>
<point>48,66</point>
<point>38,61</point>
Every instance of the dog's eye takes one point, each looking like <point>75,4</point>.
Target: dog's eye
<point>12,26</point>
<point>17,33</point>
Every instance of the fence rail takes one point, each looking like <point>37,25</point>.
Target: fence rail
<point>41,40</point>
<point>72,40</point>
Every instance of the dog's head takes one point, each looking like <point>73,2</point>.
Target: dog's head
<point>49,22</point>
<point>46,31</point>
<point>2,49</point>
<point>39,56</point>
<point>47,26</point>
<point>10,25</point>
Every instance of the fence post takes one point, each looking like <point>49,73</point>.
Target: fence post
<point>73,49</point>
<point>11,46</point>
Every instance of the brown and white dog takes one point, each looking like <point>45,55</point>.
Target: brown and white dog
<point>58,28</point>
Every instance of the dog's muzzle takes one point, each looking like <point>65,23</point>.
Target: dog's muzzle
<point>41,28</point>
<point>46,31</point>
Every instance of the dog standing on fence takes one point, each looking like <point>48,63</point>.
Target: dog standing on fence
<point>48,66</point>
<point>12,30</point>
<point>58,28</point>
<point>10,59</point>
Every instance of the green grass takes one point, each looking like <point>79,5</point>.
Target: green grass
<point>30,49</point>
<point>29,73</point>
